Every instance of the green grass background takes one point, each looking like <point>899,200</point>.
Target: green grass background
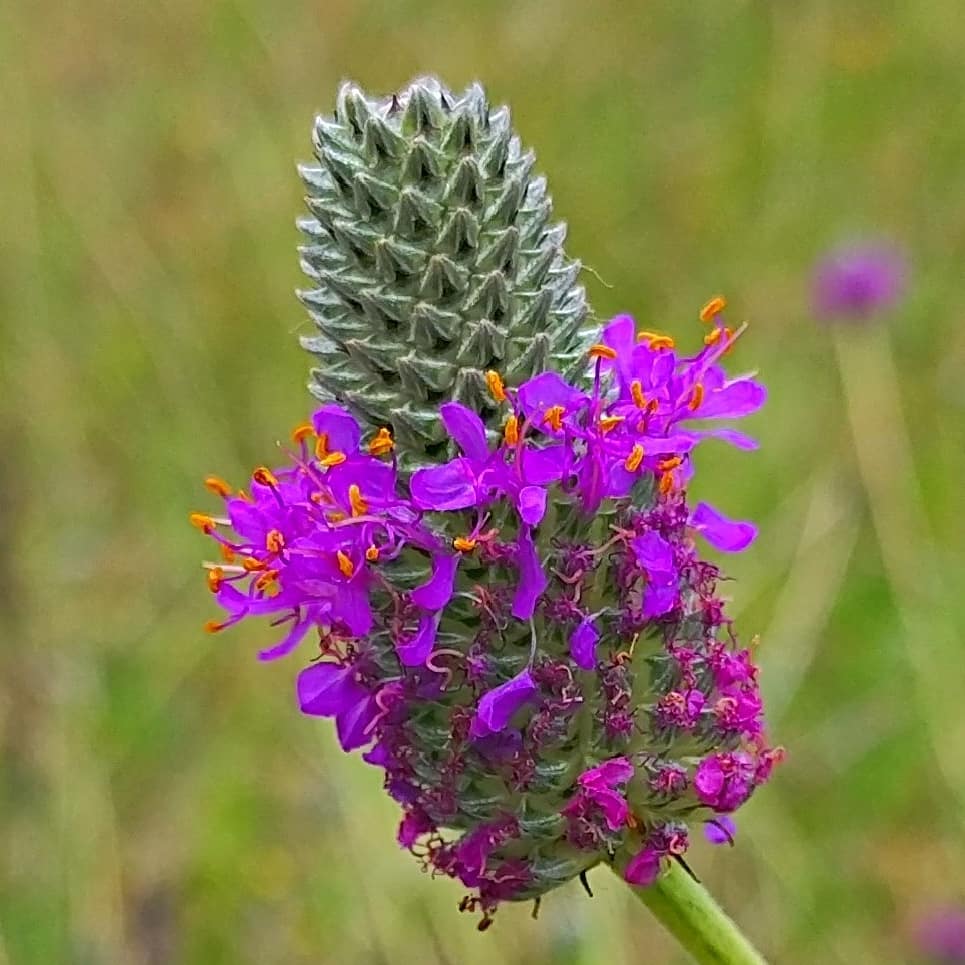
<point>162,799</point>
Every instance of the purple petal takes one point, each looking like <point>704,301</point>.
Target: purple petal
<point>327,689</point>
<point>653,552</point>
<point>643,868</point>
<point>498,705</point>
<point>467,429</point>
<point>352,725</point>
<point>445,487</point>
<point>351,604</point>
<point>531,504</point>
<point>437,591</point>
<point>721,830</point>
<point>736,399</point>
<point>726,535</point>
<point>546,390</point>
<point>532,579</point>
<point>340,429</point>
<point>614,806</point>
<point>542,466</point>
<point>583,644</point>
<point>415,651</point>
<point>291,640</point>
<point>730,436</point>
<point>617,770</point>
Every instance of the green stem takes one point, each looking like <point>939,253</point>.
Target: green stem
<point>685,908</point>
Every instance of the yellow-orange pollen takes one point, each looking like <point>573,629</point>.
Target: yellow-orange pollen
<point>632,462</point>
<point>717,333</point>
<point>215,576</point>
<point>212,626</point>
<point>382,443</point>
<point>359,506</point>
<point>463,545</point>
<point>666,484</point>
<point>202,521</point>
<point>713,308</point>
<point>251,564</point>
<point>666,465</point>
<point>336,516</point>
<point>553,417</point>
<point>227,553</point>
<point>321,445</point>
<point>333,459</point>
<point>696,398</point>
<point>609,422</point>
<point>601,351</point>
<point>636,393</point>
<point>655,340</point>
<point>218,486</point>
<point>302,432</point>
<point>264,476</point>
<point>345,564</point>
<point>496,386</point>
<point>274,541</point>
<point>372,554</point>
<point>267,580</point>
<point>511,431</point>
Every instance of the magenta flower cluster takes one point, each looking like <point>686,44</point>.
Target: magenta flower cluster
<point>524,638</point>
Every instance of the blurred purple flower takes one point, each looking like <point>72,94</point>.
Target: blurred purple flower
<point>941,935</point>
<point>858,281</point>
<point>720,830</point>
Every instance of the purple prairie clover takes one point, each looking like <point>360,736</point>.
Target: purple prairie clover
<point>858,282</point>
<point>523,639</point>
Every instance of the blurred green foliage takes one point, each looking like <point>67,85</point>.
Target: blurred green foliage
<point>162,800</point>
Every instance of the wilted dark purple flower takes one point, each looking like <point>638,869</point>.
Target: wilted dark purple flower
<point>940,935</point>
<point>858,282</point>
<point>539,695</point>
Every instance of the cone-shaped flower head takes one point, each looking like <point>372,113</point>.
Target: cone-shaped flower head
<point>433,261</point>
<point>555,683</point>
<point>858,282</point>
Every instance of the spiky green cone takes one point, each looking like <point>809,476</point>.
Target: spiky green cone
<point>433,259</point>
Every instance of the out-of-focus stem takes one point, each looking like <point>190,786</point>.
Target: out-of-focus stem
<point>685,908</point>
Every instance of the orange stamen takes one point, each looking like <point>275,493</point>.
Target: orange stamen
<point>302,432</point>
<point>227,553</point>
<point>610,422</point>
<point>713,308</point>
<point>666,465</point>
<point>632,463</point>
<point>274,541</point>
<point>666,484</point>
<point>212,626</point>
<point>264,476</point>
<point>333,459</point>
<point>463,545</point>
<point>511,431</point>
<point>656,341</point>
<point>636,391</point>
<point>267,580</point>
<point>382,443</point>
<point>632,822</point>
<point>250,564</point>
<point>601,351</point>
<point>321,445</point>
<point>202,521</point>
<point>218,486</point>
<point>336,516</point>
<point>215,576</point>
<point>345,564</point>
<point>553,417</point>
<point>496,386</point>
<point>359,506</point>
<point>696,398</point>
<point>372,554</point>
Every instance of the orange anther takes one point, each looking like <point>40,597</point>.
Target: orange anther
<point>632,462</point>
<point>215,576</point>
<point>496,386</point>
<point>696,398</point>
<point>715,335</point>
<point>359,506</point>
<point>227,553</point>
<point>251,564</point>
<point>333,459</point>
<point>212,626</point>
<point>464,545</point>
<point>218,486</point>
<point>511,431</point>
<point>665,465</point>
<point>656,341</point>
<point>553,417</point>
<point>267,580</point>
<point>601,351</point>
<point>264,476</point>
<point>274,541</point>
<point>302,432</point>
<point>345,564</point>
<point>321,445</point>
<point>666,484</point>
<point>336,516</point>
<point>372,554</point>
<point>632,822</point>
<point>202,521</point>
<point>636,392</point>
<point>713,308</point>
<point>610,422</point>
<point>381,443</point>
<point>243,495</point>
